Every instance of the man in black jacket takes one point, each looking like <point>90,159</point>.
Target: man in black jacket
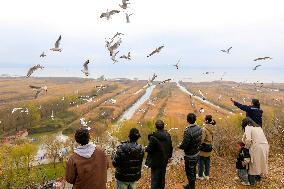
<point>190,146</point>
<point>128,162</point>
<point>159,150</point>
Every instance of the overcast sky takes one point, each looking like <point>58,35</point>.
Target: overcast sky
<point>194,31</point>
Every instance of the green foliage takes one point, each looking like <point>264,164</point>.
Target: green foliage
<point>144,129</point>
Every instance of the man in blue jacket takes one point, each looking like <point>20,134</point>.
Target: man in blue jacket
<point>253,111</point>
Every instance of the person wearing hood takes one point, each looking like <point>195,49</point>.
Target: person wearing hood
<point>127,161</point>
<point>159,150</point>
<point>255,140</point>
<point>253,111</point>
<point>206,148</point>
<point>87,166</point>
<point>190,145</point>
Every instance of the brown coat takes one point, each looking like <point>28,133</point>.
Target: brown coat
<point>87,173</point>
<point>207,138</point>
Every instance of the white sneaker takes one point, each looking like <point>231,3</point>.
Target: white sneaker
<point>206,177</point>
<point>245,183</point>
<point>199,178</point>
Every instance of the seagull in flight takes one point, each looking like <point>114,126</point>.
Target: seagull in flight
<point>127,57</point>
<point>165,81</point>
<point>113,57</point>
<point>262,58</point>
<point>34,68</point>
<point>256,67</point>
<point>124,4</point>
<point>86,68</point>
<point>38,90</point>
<point>227,51</point>
<point>56,45</point>
<point>112,48</point>
<point>157,50</point>
<point>177,64</point>
<point>108,14</point>
<point>127,16</point>
<point>42,55</point>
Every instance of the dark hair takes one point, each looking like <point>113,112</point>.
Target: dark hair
<point>209,120</point>
<point>248,121</point>
<point>160,124</point>
<point>191,118</point>
<point>241,144</point>
<point>134,134</point>
<point>82,136</point>
<point>255,103</point>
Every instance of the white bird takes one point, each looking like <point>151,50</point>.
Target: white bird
<point>108,14</point>
<point>201,110</point>
<point>38,90</point>
<point>42,55</point>
<point>52,115</point>
<point>112,48</point>
<point>86,68</point>
<point>83,122</point>
<point>127,16</point>
<point>157,50</point>
<point>113,57</point>
<point>227,51</point>
<point>16,109</point>
<point>34,68</point>
<point>124,4</point>
<point>177,64</point>
<point>127,57</point>
<point>56,45</point>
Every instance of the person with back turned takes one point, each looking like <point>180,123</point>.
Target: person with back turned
<point>159,150</point>
<point>190,145</point>
<point>87,167</point>
<point>127,161</point>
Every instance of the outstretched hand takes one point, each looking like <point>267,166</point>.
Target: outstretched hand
<point>232,100</point>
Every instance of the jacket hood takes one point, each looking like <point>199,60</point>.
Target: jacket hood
<point>161,135</point>
<point>85,151</point>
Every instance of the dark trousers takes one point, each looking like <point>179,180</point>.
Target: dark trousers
<point>190,170</point>
<point>158,178</point>
<point>253,179</point>
<point>203,166</point>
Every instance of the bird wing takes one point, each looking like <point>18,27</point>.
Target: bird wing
<point>103,15</point>
<point>153,52</point>
<point>123,56</point>
<point>37,93</point>
<point>31,70</point>
<point>160,48</point>
<point>85,65</point>
<point>223,50</point>
<point>229,49</point>
<point>113,12</point>
<point>34,87</point>
<point>256,59</point>
<point>57,43</point>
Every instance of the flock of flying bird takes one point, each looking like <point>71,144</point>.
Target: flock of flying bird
<point>112,45</point>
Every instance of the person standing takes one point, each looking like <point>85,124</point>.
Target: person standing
<point>257,144</point>
<point>206,148</point>
<point>87,166</point>
<point>159,150</point>
<point>190,145</point>
<point>253,111</point>
<point>127,161</point>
